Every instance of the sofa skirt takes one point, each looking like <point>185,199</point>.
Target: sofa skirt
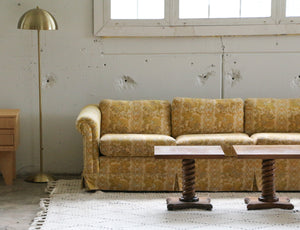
<point>149,174</point>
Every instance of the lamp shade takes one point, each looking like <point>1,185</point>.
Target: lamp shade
<point>37,19</point>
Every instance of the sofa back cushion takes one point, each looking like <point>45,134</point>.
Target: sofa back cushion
<point>272,115</point>
<point>139,117</point>
<point>199,116</point>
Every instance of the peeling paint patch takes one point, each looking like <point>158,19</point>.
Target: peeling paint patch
<point>49,80</point>
<point>233,76</point>
<point>98,40</point>
<point>29,67</point>
<point>207,73</point>
<point>295,83</point>
<point>91,67</point>
<point>125,83</point>
<point>83,50</point>
<point>202,78</point>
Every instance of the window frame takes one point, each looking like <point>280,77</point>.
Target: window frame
<point>136,22</point>
<point>173,26</point>
<point>225,21</point>
<point>288,20</point>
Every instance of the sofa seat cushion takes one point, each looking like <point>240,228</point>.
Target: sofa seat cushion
<point>226,140</point>
<point>276,138</point>
<point>132,144</point>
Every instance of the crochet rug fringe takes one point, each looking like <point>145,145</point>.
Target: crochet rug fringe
<point>41,216</point>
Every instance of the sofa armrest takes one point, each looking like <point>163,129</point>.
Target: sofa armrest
<point>90,115</point>
<point>88,124</point>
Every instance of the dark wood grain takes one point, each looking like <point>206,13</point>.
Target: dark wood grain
<point>254,204</point>
<point>188,154</point>
<point>268,154</point>
<point>174,203</point>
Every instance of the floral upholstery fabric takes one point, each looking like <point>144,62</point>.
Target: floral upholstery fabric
<point>138,174</point>
<point>199,116</point>
<point>89,115</point>
<point>264,115</point>
<point>88,124</point>
<point>229,174</point>
<point>144,173</point>
<point>272,121</point>
<point>139,117</point>
<point>286,175</point>
<point>132,144</point>
<point>226,140</point>
<point>149,174</point>
<point>276,138</point>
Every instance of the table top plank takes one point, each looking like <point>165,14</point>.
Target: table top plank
<point>188,152</point>
<point>267,151</point>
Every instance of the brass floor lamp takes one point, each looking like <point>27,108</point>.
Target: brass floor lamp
<point>38,19</point>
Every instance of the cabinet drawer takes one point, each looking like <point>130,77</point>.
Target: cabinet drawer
<point>6,139</point>
<point>7,122</point>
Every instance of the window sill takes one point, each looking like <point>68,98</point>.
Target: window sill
<point>196,31</point>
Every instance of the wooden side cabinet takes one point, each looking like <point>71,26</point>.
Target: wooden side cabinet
<point>9,141</point>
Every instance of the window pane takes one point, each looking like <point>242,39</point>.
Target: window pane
<point>292,8</point>
<point>193,8</point>
<point>256,8</point>
<point>137,9</point>
<point>224,8</point>
<point>121,9</point>
<point>151,9</point>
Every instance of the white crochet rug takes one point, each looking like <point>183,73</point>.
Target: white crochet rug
<point>70,208</point>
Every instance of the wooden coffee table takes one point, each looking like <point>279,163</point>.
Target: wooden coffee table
<point>188,154</point>
<point>268,154</point>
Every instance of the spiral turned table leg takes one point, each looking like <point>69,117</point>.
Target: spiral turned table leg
<point>188,172</point>
<point>188,198</point>
<point>268,181</point>
<point>268,197</point>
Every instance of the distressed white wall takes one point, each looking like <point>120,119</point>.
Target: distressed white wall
<point>83,69</point>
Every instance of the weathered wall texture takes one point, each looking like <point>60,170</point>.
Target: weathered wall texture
<point>80,69</point>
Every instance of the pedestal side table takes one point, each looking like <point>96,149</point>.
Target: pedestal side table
<point>9,141</point>
<point>268,154</point>
<point>188,154</point>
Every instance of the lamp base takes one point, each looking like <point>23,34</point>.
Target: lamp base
<point>39,178</point>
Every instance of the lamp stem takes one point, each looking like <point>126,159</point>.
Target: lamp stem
<point>40,103</point>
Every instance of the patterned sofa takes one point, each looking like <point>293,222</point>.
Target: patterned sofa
<point>119,138</point>
<point>270,121</point>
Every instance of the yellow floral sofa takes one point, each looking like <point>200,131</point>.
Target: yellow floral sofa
<point>119,138</point>
<point>118,145</point>
<point>270,121</point>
